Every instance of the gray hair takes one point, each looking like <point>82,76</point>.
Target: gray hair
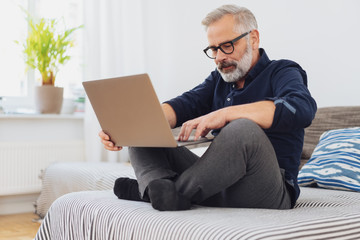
<point>244,18</point>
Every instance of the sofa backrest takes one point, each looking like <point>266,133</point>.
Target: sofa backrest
<point>328,118</point>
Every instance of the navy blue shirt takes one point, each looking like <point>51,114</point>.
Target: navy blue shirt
<point>282,81</point>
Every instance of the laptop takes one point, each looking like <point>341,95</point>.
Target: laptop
<point>129,111</point>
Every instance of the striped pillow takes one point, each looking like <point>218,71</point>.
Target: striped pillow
<point>335,162</point>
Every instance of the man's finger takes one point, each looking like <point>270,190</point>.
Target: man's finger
<point>194,124</point>
<point>115,148</point>
<point>185,131</point>
<point>104,135</point>
<point>201,131</point>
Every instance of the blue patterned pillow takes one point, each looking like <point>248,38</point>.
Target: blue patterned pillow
<point>335,162</point>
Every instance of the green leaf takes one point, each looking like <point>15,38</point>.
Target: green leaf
<point>45,49</point>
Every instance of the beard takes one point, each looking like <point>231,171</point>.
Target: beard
<point>242,67</point>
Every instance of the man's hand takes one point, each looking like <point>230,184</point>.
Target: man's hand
<point>203,125</point>
<point>108,144</point>
<point>262,113</point>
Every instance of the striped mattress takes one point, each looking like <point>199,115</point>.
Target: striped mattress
<point>319,214</point>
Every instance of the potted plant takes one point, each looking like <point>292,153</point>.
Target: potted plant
<point>46,49</point>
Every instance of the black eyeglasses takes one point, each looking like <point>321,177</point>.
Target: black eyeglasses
<point>226,47</point>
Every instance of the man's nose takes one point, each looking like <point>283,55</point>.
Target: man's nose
<point>220,56</point>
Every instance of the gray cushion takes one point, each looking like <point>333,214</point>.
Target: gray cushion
<point>328,118</point>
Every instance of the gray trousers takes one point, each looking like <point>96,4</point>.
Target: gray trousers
<point>239,169</point>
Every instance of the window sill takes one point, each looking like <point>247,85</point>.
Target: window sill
<point>79,116</point>
<point>26,106</point>
<point>41,127</point>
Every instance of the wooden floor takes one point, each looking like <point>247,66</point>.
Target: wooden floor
<point>18,226</point>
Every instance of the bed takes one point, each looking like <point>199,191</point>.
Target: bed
<point>319,214</point>
<point>324,210</point>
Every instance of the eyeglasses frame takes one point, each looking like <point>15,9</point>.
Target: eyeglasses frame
<point>231,42</point>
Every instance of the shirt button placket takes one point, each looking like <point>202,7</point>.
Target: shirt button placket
<point>228,101</point>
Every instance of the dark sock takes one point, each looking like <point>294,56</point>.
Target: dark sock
<point>164,197</point>
<point>128,189</point>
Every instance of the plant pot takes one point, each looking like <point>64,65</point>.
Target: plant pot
<point>48,99</point>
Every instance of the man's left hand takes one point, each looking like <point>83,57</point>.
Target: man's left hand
<point>203,125</point>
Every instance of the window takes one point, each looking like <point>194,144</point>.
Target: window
<point>13,27</point>
<point>17,85</point>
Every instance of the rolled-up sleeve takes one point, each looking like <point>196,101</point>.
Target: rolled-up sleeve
<point>295,107</point>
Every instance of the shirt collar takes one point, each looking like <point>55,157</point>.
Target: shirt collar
<point>259,66</point>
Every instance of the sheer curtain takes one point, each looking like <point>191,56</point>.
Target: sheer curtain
<point>113,47</point>
<point>160,37</point>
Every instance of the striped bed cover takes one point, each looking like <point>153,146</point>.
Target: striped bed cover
<point>319,214</point>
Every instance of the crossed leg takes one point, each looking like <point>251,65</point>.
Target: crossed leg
<point>239,169</point>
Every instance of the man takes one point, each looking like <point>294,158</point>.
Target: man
<point>256,108</point>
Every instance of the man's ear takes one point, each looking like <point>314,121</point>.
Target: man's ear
<point>255,39</point>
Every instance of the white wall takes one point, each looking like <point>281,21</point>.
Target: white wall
<point>323,36</point>
<point>165,38</point>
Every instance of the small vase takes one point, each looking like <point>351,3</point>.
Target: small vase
<point>48,99</point>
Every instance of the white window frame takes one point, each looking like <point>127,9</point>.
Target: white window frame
<point>26,104</point>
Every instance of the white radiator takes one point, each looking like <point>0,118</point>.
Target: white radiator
<point>21,163</point>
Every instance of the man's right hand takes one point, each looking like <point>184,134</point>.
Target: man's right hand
<point>109,145</point>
